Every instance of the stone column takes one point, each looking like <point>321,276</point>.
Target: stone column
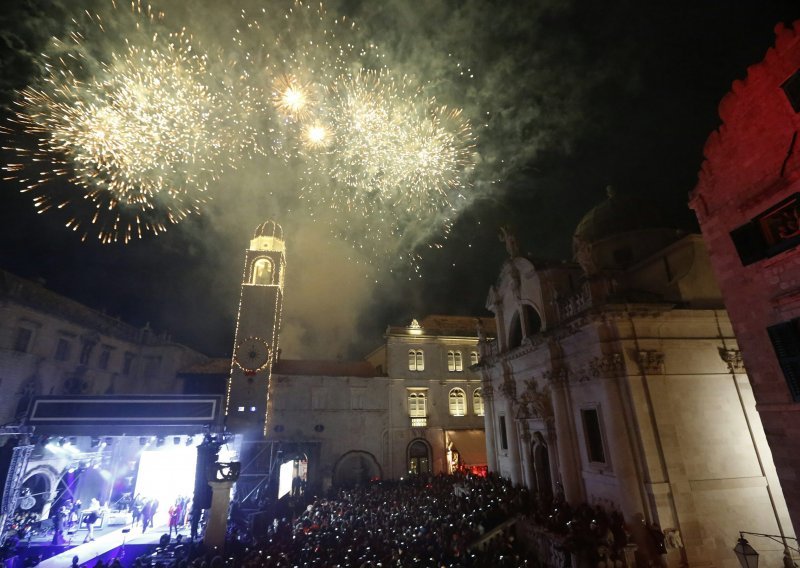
<point>568,466</point>
<point>489,425</point>
<point>513,444</point>
<point>217,525</point>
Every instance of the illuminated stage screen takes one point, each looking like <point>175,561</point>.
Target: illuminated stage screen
<point>166,474</point>
<point>285,479</point>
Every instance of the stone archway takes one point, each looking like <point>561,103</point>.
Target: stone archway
<point>356,468</point>
<point>419,457</point>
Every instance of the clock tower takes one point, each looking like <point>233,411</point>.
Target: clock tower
<point>257,330</point>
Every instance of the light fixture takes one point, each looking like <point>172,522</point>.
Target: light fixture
<point>160,441</point>
<point>747,555</point>
<point>189,440</point>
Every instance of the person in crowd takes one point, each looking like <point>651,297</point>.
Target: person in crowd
<point>147,514</point>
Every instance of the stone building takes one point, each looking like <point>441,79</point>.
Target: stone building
<point>52,345</point>
<point>412,406</point>
<point>618,381</point>
<point>747,201</point>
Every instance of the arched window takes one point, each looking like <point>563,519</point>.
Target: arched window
<point>473,358</point>
<point>416,360</point>
<point>458,403</point>
<point>477,402</point>
<point>417,408</point>
<point>262,271</point>
<point>454,361</point>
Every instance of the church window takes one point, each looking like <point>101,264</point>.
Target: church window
<point>87,346</point>
<point>127,363</point>
<point>62,349</point>
<point>503,434</point>
<point>593,435</point>
<point>477,402</point>
<point>416,360</point>
<point>454,361</point>
<point>791,87</point>
<point>785,339</point>
<point>417,408</point>
<point>458,403</point>
<point>23,340</point>
<point>105,355</point>
<point>262,271</point>
<point>473,358</point>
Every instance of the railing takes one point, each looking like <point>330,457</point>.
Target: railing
<point>419,422</point>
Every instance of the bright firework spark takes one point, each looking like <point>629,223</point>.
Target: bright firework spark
<point>292,99</point>
<point>137,132</point>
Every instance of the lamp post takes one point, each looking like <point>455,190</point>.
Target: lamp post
<point>748,557</point>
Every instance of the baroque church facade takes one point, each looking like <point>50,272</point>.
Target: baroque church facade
<point>616,381</point>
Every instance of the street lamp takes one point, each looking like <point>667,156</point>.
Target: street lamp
<point>747,555</point>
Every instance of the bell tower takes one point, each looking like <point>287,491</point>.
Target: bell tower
<point>257,329</point>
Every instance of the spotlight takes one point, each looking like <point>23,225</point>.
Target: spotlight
<point>160,441</point>
<point>143,441</point>
<point>190,440</point>
<point>176,440</point>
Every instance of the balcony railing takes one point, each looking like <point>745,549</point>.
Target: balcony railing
<point>419,422</point>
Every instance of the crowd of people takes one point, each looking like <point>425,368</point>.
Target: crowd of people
<point>445,521</point>
<point>417,522</point>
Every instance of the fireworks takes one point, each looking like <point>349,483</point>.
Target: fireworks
<point>138,134</point>
<point>142,131</point>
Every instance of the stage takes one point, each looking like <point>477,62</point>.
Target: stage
<point>109,543</point>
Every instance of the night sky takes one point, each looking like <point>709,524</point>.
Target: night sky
<point>579,95</point>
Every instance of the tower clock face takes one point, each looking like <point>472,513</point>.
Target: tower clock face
<point>252,354</point>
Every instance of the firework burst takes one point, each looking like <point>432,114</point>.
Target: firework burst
<point>135,131</point>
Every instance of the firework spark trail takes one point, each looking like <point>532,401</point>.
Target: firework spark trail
<point>137,132</point>
<point>371,145</point>
<point>143,131</point>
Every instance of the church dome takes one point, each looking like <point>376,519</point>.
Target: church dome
<point>618,233</point>
<point>618,214</point>
<point>269,229</point>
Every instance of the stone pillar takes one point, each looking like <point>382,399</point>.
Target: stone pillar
<point>217,525</point>
<point>221,477</point>
<point>489,425</point>
<point>568,466</point>
<point>513,444</point>
<point>526,461</point>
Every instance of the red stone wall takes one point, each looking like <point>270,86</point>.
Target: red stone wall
<point>751,163</point>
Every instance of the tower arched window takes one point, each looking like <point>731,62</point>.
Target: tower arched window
<point>477,402</point>
<point>416,360</point>
<point>454,361</point>
<point>262,271</point>
<point>458,403</point>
